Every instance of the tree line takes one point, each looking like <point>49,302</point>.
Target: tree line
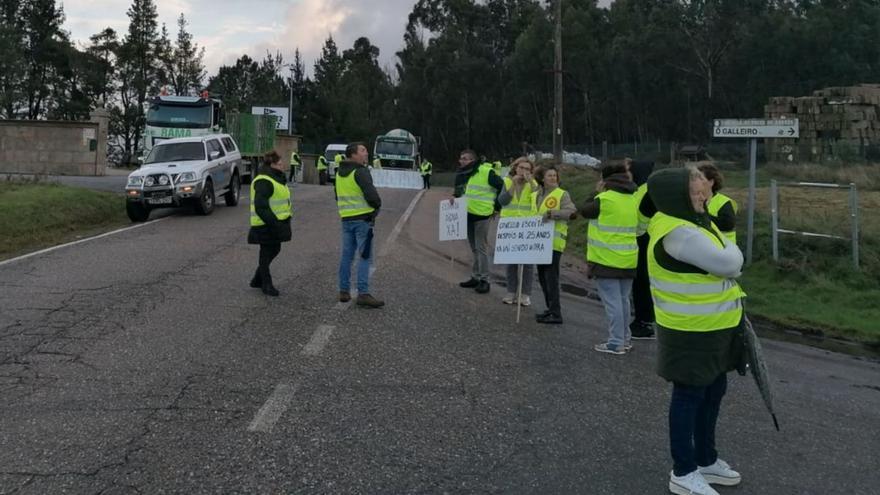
<point>470,73</point>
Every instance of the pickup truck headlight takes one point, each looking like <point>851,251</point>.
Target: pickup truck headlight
<point>163,180</point>
<point>149,181</point>
<point>135,180</point>
<point>187,177</point>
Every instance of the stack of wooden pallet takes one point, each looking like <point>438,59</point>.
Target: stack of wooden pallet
<point>832,117</point>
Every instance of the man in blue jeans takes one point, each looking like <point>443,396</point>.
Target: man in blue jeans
<point>358,203</point>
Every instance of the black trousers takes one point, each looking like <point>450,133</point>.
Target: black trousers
<point>548,277</point>
<point>268,252</point>
<point>641,293</point>
<point>322,177</point>
<point>426,182</point>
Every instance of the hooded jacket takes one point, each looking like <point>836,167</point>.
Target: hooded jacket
<point>591,209</point>
<point>365,181</point>
<point>463,175</point>
<point>692,358</point>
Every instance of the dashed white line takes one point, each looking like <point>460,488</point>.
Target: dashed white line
<point>319,340</point>
<point>105,234</point>
<point>274,407</point>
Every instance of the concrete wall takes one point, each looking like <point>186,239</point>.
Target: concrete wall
<point>54,147</point>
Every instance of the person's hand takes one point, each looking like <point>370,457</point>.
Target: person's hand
<point>451,200</point>
<point>519,179</point>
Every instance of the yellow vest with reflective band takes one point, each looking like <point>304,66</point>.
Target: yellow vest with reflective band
<point>427,168</point>
<point>279,202</point>
<point>691,302</point>
<point>611,238</point>
<point>350,197</point>
<point>480,195</point>
<point>322,163</point>
<point>640,194</point>
<point>294,159</point>
<point>714,206</point>
<point>524,206</point>
<point>553,201</point>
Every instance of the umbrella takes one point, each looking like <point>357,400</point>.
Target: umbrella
<point>755,362</point>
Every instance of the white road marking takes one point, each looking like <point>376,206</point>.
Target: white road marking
<point>274,407</point>
<point>401,222</point>
<point>106,234</point>
<point>319,340</point>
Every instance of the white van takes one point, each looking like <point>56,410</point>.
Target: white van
<point>330,153</point>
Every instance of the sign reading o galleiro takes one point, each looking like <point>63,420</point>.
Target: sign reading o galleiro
<point>756,128</point>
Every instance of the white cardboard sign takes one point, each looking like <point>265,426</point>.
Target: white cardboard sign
<point>453,220</point>
<point>524,241</point>
<point>397,179</point>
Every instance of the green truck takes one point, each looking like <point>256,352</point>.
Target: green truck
<point>192,116</point>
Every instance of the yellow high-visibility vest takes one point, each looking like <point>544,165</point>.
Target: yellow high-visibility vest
<point>691,302</point>
<point>350,199</point>
<point>524,205</point>
<point>480,195</point>
<point>611,238</point>
<point>322,163</point>
<point>640,194</point>
<point>279,202</point>
<point>714,206</point>
<point>553,201</point>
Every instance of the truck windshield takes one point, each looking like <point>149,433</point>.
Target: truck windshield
<point>177,116</point>
<point>394,148</point>
<point>176,152</point>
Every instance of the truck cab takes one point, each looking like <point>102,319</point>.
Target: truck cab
<point>398,149</point>
<point>170,117</point>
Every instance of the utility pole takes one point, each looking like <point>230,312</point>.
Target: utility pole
<point>290,128</point>
<point>557,74</point>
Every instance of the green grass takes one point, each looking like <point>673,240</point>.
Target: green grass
<point>36,215</point>
<point>814,288</point>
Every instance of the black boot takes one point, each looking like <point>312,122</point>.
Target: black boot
<point>267,286</point>
<point>257,281</point>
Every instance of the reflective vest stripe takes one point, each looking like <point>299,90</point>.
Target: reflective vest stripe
<point>699,309</point>
<point>693,288</point>
<point>609,228</point>
<point>612,247</point>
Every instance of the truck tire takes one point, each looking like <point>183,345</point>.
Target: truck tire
<point>231,196</point>
<point>205,203</point>
<point>137,212</point>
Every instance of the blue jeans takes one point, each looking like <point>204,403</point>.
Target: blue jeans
<point>614,293</point>
<point>693,413</point>
<point>356,238</point>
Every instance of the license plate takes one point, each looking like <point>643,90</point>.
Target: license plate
<point>160,201</point>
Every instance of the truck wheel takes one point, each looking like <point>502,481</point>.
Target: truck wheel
<point>205,204</point>
<point>137,212</point>
<point>231,196</point>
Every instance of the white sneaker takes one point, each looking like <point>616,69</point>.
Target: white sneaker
<point>525,301</point>
<point>692,483</point>
<point>508,299</point>
<point>720,474</point>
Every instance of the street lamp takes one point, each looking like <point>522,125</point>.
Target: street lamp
<point>290,127</point>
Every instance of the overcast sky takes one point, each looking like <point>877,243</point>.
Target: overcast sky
<point>230,28</point>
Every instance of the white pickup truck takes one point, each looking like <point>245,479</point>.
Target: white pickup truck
<point>185,171</point>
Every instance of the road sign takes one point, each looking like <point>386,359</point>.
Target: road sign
<point>283,114</point>
<point>756,128</point>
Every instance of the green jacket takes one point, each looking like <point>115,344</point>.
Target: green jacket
<point>688,358</point>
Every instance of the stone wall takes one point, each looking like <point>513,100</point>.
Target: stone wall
<point>54,147</point>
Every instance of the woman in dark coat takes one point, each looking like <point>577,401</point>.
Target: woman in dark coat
<point>270,218</point>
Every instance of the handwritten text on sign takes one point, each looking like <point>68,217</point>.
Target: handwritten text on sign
<point>453,220</point>
<point>524,241</point>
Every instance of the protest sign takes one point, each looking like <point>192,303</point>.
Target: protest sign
<point>524,241</point>
<point>453,220</point>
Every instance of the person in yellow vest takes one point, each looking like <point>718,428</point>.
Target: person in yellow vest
<point>480,185</point>
<point>612,251</point>
<point>321,166</point>
<point>427,168</point>
<point>553,203</point>
<point>722,209</point>
<point>358,204</point>
<point>516,201</point>
<point>698,309</point>
<point>642,326</point>
<point>295,163</point>
<point>270,218</point>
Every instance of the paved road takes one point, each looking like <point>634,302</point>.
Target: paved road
<point>142,363</point>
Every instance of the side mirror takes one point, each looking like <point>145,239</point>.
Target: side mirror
<point>214,155</point>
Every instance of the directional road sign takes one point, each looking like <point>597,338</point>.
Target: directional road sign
<point>756,128</point>
<point>283,114</point>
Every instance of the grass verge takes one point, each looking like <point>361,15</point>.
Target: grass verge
<point>813,288</point>
<point>37,215</point>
